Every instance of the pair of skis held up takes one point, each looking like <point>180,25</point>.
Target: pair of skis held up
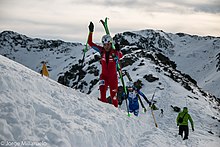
<point>105,24</point>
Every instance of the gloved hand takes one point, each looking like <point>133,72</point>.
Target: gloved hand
<point>149,104</point>
<point>91,27</point>
<point>145,110</point>
<point>193,129</point>
<point>177,124</point>
<point>117,46</point>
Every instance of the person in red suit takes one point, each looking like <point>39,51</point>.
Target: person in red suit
<point>109,57</point>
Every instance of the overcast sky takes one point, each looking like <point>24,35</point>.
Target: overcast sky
<point>68,19</point>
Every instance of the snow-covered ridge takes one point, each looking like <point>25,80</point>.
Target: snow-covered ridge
<point>64,59</point>
<point>194,55</point>
<point>145,39</point>
<point>38,110</point>
<point>58,55</point>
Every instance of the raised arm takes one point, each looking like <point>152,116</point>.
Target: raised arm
<point>93,45</point>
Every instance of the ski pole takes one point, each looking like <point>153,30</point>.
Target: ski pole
<point>154,118</point>
<point>152,109</point>
<point>123,84</point>
<point>85,50</point>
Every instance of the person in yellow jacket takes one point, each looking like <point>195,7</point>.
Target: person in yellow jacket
<point>182,122</point>
<point>44,71</point>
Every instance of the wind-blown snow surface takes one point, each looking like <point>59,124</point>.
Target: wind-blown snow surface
<point>36,110</point>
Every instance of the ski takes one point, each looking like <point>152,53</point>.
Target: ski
<point>123,83</point>
<point>152,110</point>
<point>128,76</point>
<point>105,25</point>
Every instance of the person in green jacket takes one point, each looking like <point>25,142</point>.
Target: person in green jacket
<point>183,125</point>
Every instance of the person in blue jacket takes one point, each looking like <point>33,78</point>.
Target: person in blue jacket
<point>132,96</point>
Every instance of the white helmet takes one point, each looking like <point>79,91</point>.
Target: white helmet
<point>106,39</point>
<point>130,84</point>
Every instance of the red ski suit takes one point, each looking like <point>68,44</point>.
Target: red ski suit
<point>108,76</point>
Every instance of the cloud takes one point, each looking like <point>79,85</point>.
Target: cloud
<point>69,19</point>
<point>207,6</point>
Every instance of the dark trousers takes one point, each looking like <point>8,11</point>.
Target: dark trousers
<point>184,129</point>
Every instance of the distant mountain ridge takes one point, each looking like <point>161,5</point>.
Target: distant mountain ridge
<point>31,52</point>
<point>192,54</point>
<point>173,52</point>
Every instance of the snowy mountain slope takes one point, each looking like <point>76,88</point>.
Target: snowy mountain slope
<point>30,52</point>
<point>194,55</point>
<point>200,54</point>
<point>36,109</point>
<point>63,59</point>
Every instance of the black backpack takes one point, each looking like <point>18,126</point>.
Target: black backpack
<point>175,108</point>
<point>180,120</point>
